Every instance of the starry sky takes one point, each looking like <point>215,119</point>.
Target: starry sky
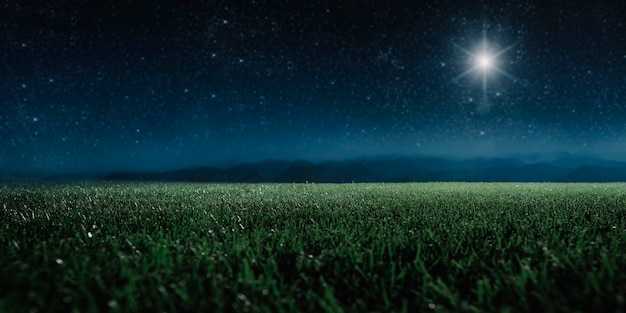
<point>97,86</point>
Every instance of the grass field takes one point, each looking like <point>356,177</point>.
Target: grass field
<point>435,247</point>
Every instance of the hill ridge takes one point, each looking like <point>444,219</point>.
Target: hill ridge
<point>395,169</point>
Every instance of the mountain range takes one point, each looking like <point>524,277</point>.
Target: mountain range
<point>397,169</point>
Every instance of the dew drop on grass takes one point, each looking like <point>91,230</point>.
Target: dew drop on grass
<point>112,304</point>
<point>244,299</point>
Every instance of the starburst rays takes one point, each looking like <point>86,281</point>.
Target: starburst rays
<point>484,61</point>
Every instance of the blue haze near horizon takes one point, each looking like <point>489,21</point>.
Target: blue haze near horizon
<point>92,87</point>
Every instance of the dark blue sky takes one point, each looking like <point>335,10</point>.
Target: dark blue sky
<point>94,86</point>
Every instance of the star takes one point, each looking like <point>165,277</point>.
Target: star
<point>484,60</point>
<point>485,63</point>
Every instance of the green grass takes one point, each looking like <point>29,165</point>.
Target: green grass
<point>437,247</point>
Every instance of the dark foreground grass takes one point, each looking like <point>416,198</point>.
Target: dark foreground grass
<point>437,247</point>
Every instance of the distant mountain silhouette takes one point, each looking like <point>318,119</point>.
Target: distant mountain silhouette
<point>595,174</point>
<point>201,174</point>
<point>332,172</point>
<point>398,169</point>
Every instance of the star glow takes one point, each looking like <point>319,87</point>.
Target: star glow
<point>485,63</point>
<point>485,59</point>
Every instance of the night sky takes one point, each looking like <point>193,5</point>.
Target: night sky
<point>97,86</point>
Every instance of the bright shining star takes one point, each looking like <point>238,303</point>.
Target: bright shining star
<point>484,63</point>
<point>485,60</point>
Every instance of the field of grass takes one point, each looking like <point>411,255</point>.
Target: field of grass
<point>435,247</point>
